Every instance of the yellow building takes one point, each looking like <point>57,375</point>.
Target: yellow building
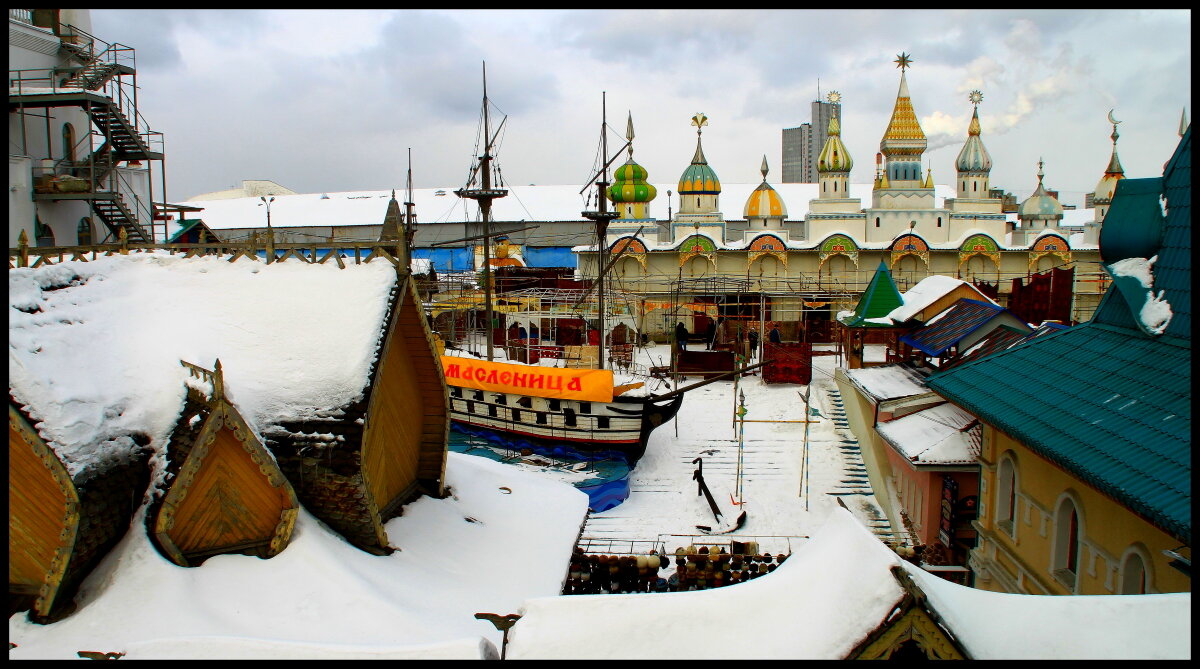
<point>1086,457</point>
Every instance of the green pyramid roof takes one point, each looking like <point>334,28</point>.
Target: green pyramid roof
<point>877,301</point>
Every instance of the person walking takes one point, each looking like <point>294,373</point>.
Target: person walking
<point>775,337</point>
<point>753,342</point>
<point>681,336</point>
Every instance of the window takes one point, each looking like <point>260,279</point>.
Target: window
<point>1068,528</point>
<point>526,402</point>
<point>84,232</point>
<point>516,415</point>
<point>569,417</point>
<point>455,392</point>
<point>877,221</point>
<point>1133,574</point>
<point>555,405</point>
<point>492,410</point>
<point>478,395</point>
<point>68,138</point>
<point>470,407</point>
<point>541,418</point>
<point>602,422</point>
<point>939,221</point>
<point>501,399</point>
<point>585,407</point>
<point>1006,496</point>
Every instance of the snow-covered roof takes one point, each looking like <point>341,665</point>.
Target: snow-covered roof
<point>820,603</point>
<point>995,625</point>
<point>95,347</point>
<point>927,291</point>
<point>433,205</point>
<point>935,436</point>
<point>888,382</point>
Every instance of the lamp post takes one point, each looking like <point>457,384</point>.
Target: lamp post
<point>270,233</point>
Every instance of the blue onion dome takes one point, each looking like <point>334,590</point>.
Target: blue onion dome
<point>764,202</point>
<point>1040,205</point>
<point>834,156</point>
<point>974,156</point>
<point>699,178</point>
<point>629,180</point>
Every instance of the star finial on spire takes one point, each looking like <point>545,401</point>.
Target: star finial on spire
<point>903,61</point>
<point>699,120</point>
<point>975,97</point>
<point>834,97</point>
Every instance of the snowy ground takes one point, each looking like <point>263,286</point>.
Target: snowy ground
<point>482,550</point>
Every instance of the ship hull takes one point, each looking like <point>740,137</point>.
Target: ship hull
<point>620,428</point>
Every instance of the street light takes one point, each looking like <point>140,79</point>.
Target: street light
<point>267,202</point>
<point>270,233</point>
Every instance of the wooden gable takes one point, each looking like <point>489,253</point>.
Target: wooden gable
<point>225,493</point>
<point>355,466</point>
<point>912,630</point>
<point>61,526</point>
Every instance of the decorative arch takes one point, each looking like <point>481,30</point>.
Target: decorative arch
<point>979,244</point>
<point>1066,552</point>
<point>633,247</point>
<point>697,245</point>
<point>1049,245</point>
<point>767,245</point>
<point>1135,576</point>
<point>838,245</point>
<point>1007,488</point>
<point>909,245</point>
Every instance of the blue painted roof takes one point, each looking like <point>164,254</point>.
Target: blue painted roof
<point>960,320</point>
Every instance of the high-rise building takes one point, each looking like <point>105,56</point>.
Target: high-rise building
<point>802,145</point>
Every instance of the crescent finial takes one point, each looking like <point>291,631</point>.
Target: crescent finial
<point>1111,119</point>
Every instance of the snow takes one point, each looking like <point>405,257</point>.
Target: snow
<point>102,357</point>
<point>934,436</point>
<point>926,292</point>
<point>820,603</point>
<point>1155,312</point>
<point>99,354</point>
<point>888,381</point>
<point>995,626</point>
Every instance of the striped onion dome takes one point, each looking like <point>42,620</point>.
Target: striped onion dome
<point>974,156</point>
<point>1114,173</point>
<point>629,184</point>
<point>903,135</point>
<point>834,156</point>
<point>764,202</point>
<point>1040,205</point>
<point>699,178</point>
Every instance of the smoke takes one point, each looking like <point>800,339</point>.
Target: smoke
<point>1039,78</point>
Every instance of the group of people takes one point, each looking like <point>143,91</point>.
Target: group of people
<point>718,333</point>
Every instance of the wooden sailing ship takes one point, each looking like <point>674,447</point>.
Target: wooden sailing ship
<point>525,411</point>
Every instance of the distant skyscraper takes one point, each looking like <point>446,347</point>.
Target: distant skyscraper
<point>802,145</point>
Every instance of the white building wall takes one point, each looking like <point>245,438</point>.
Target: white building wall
<point>20,200</point>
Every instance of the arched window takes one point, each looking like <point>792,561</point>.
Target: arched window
<point>697,201</point>
<point>975,186</point>
<point>1068,529</point>
<point>84,231</point>
<point>939,221</point>
<point>1133,574</point>
<point>877,221</point>
<point>1006,495</point>
<point>42,233</point>
<point>68,138</point>
<point>835,186</point>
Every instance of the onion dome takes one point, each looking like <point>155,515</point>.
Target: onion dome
<point>974,157</point>
<point>1040,205</point>
<point>699,178</point>
<point>764,202</point>
<point>903,135</point>
<point>1113,173</point>
<point>629,180</point>
<point>834,156</point>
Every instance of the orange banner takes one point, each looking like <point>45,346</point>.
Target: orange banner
<point>588,385</point>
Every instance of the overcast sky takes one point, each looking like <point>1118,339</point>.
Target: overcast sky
<point>327,101</point>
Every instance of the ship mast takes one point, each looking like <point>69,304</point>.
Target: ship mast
<point>601,217</point>
<point>484,196</point>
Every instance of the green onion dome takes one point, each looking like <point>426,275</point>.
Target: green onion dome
<point>834,156</point>
<point>629,184</point>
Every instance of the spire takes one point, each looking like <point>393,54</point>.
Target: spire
<point>763,169</point>
<point>391,221</point>
<point>629,134</point>
<point>699,120</point>
<point>904,134</point>
<point>1114,164</point>
<point>1183,124</point>
<point>928,178</point>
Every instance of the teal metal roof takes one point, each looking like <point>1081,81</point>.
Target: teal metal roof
<point>877,301</point>
<point>1104,400</point>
